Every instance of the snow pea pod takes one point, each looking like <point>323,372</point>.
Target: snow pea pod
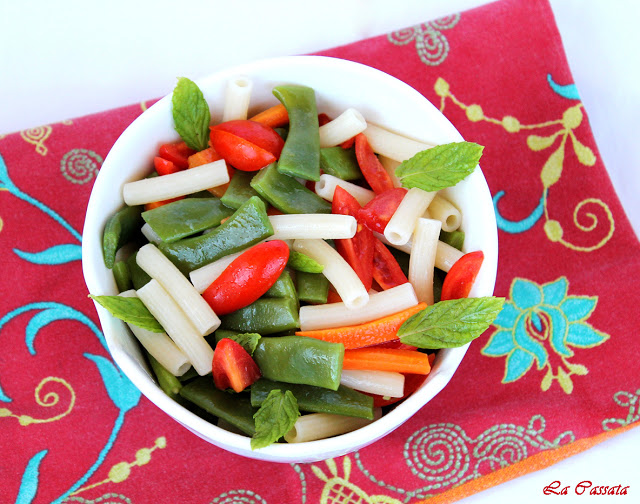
<point>296,359</point>
<point>186,217</point>
<point>286,193</point>
<point>168,382</point>
<point>120,229</point>
<point>339,162</point>
<point>235,409</point>
<point>139,277</point>
<point>300,156</point>
<point>264,316</point>
<point>312,287</point>
<point>344,401</point>
<point>283,288</point>
<point>247,226</point>
<point>122,276</point>
<point>239,189</point>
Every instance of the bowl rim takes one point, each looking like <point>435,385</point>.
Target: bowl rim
<point>125,353</point>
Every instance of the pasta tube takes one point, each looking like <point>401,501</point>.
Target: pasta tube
<point>341,275</point>
<point>393,145</point>
<point>237,97</point>
<point>164,308</point>
<point>423,257</point>
<point>404,220</point>
<point>326,186</point>
<point>312,226</point>
<point>345,126</point>
<point>323,425</point>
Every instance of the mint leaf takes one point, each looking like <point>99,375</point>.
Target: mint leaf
<point>276,417</point>
<point>131,310</point>
<point>439,167</point>
<point>248,341</point>
<point>191,115</point>
<point>451,323</point>
<point>302,262</point>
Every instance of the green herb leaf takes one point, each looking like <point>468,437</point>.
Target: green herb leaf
<point>302,262</point>
<point>248,341</point>
<point>191,115</point>
<point>276,417</point>
<point>131,310</point>
<point>439,167</point>
<point>451,323</point>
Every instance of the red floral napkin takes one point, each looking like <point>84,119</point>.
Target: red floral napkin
<point>552,376</point>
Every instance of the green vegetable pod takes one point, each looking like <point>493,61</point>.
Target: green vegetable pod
<point>264,316</point>
<point>122,276</point>
<point>120,229</point>
<point>339,162</point>
<point>247,226</point>
<point>169,384</point>
<point>239,189</point>
<point>300,156</point>
<point>296,359</point>
<point>312,287</point>
<point>139,277</point>
<point>283,288</point>
<point>186,217</point>
<point>286,193</point>
<point>344,401</point>
<point>233,408</point>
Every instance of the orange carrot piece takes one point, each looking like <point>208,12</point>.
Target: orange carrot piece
<point>387,359</point>
<point>273,117</point>
<point>209,155</point>
<point>363,335</point>
<point>156,204</point>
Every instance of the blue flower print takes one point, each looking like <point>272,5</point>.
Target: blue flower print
<point>542,324</point>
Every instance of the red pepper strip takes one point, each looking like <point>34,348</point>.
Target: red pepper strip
<point>323,119</point>
<point>347,144</point>
<point>371,168</point>
<point>248,277</point>
<point>461,276</point>
<point>178,153</point>
<point>164,166</point>
<point>233,367</point>
<point>386,270</point>
<point>240,153</point>
<point>359,250</point>
<point>258,134</point>
<point>378,212</point>
<point>412,382</point>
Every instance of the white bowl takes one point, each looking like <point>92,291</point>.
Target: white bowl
<point>339,84</point>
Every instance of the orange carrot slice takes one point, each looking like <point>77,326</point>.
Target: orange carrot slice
<point>274,116</point>
<point>387,359</point>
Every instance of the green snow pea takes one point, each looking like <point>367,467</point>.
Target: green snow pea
<point>300,156</point>
<point>301,360</point>
<point>170,384</point>
<point>283,287</point>
<point>120,229</point>
<point>239,189</point>
<point>339,162</point>
<point>264,316</point>
<point>122,276</point>
<point>312,287</point>
<point>186,217</point>
<point>139,277</point>
<point>286,193</point>
<point>235,409</point>
<point>344,401</point>
<point>247,226</point>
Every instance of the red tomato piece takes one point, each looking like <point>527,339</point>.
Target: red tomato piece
<point>461,276</point>
<point>386,270</point>
<point>372,170</point>
<point>359,250</point>
<point>258,134</point>
<point>378,212</point>
<point>164,166</point>
<point>233,367</point>
<point>178,153</point>
<point>240,153</point>
<point>248,277</point>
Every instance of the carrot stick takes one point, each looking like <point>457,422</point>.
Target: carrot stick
<point>362,335</point>
<point>273,117</point>
<point>387,359</point>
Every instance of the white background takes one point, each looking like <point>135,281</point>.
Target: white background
<point>64,59</point>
